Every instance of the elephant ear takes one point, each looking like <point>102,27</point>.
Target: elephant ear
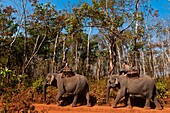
<point>115,79</point>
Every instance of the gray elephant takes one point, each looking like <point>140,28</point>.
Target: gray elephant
<point>143,86</point>
<point>76,85</point>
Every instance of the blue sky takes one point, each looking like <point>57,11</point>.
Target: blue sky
<point>162,5</point>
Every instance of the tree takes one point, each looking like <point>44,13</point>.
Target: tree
<point>108,23</point>
<point>8,29</point>
<point>46,25</point>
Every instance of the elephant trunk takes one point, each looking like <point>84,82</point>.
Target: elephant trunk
<point>44,91</point>
<point>108,94</point>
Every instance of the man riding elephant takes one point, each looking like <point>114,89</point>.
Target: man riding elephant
<point>128,71</point>
<point>125,68</point>
<point>65,70</point>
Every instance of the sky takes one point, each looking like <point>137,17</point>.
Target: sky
<point>162,5</point>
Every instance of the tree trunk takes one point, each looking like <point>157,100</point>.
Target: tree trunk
<point>98,68</point>
<point>167,57</point>
<point>111,59</point>
<point>119,57</point>
<point>76,56</point>
<point>64,48</point>
<point>151,61</point>
<point>136,33</point>
<point>142,71</point>
<point>113,55</point>
<point>155,68</point>
<point>54,54</point>
<point>88,52</point>
<point>25,37</point>
<point>163,61</point>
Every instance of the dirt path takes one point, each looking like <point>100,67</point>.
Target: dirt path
<point>95,109</point>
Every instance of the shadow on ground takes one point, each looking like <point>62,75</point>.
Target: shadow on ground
<point>68,99</point>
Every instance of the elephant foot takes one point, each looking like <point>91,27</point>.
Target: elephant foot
<point>129,107</point>
<point>58,103</point>
<point>89,105</point>
<point>147,108</point>
<point>159,108</point>
<point>73,105</point>
<point>114,106</point>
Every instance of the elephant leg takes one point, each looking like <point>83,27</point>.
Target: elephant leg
<point>88,99</point>
<point>59,94</point>
<point>128,101</point>
<point>108,94</point>
<point>157,104</point>
<point>147,103</point>
<point>120,94</point>
<point>74,100</point>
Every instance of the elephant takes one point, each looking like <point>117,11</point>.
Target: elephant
<point>143,86</point>
<point>76,85</point>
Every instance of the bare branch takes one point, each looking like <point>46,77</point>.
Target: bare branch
<point>35,52</point>
<point>126,27</point>
<point>35,46</point>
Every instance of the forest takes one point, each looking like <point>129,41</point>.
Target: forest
<point>94,37</point>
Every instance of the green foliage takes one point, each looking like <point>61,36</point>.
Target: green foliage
<point>162,88</point>
<point>4,72</point>
<point>9,81</point>
<point>38,84</point>
<point>8,26</point>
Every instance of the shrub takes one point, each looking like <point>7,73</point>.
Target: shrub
<point>38,85</point>
<point>162,88</point>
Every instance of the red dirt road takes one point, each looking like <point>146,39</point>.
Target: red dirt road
<point>51,108</point>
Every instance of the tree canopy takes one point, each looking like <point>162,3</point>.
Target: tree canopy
<point>94,38</point>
